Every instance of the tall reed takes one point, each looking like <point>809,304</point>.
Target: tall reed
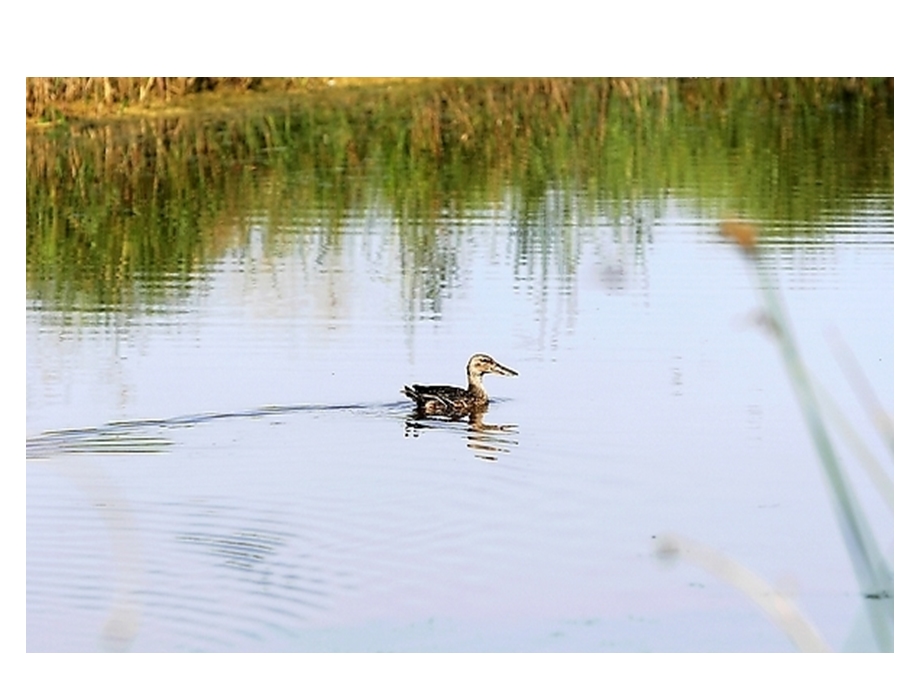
<point>873,573</point>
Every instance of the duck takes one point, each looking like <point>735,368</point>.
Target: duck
<point>458,402</point>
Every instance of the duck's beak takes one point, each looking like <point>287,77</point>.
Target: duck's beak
<point>503,370</point>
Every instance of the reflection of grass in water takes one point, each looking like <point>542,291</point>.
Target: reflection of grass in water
<point>127,214</point>
<point>873,573</point>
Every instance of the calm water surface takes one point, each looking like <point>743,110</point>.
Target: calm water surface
<point>233,468</point>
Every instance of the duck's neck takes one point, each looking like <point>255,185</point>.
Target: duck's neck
<point>475,386</point>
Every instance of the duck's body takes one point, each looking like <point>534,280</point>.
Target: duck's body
<point>458,402</point>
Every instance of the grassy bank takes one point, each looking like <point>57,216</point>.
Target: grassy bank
<point>96,100</point>
<point>56,99</point>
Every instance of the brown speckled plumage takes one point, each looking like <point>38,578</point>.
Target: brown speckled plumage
<point>458,402</point>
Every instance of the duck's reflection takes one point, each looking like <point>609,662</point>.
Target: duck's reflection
<point>488,442</point>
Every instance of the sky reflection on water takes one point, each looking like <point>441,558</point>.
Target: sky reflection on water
<point>648,400</point>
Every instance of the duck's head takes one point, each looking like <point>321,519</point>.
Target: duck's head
<point>483,364</point>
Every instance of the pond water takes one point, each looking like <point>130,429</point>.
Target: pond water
<point>225,462</point>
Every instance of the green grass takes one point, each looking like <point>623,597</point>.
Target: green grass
<point>116,211</point>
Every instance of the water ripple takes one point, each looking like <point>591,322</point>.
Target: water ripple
<point>187,570</point>
<point>142,436</point>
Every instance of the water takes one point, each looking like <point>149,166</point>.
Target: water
<point>232,467</point>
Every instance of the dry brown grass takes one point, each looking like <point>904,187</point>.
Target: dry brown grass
<point>49,98</point>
